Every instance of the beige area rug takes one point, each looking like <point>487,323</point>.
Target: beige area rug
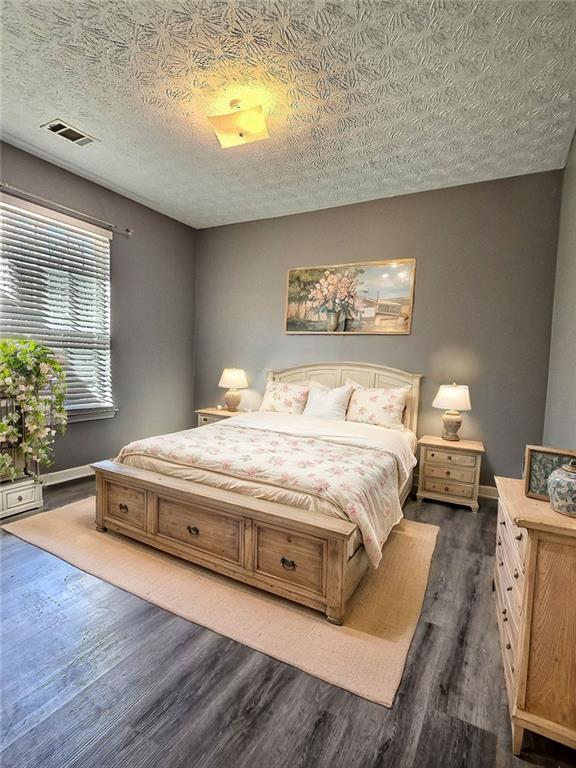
<point>366,656</point>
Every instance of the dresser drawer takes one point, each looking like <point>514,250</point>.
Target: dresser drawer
<point>518,537</point>
<point>209,532</point>
<point>297,559</point>
<point>449,473</point>
<point>512,540</point>
<point>126,504</point>
<point>447,457</point>
<point>508,642</point>
<point>511,580</point>
<point>449,488</point>
<point>508,608</point>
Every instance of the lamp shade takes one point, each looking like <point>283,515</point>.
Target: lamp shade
<point>233,378</point>
<point>452,397</point>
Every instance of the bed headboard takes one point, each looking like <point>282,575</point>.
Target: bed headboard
<point>335,374</point>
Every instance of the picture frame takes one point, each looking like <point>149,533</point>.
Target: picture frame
<point>357,298</point>
<point>539,463</point>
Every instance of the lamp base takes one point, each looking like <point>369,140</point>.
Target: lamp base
<point>232,399</point>
<point>451,422</point>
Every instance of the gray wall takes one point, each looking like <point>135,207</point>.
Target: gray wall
<point>152,312</point>
<point>483,303</point>
<point>560,423</point>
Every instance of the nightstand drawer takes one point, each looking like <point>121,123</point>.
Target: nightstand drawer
<point>449,457</point>
<point>203,420</point>
<point>449,488</point>
<point>449,473</point>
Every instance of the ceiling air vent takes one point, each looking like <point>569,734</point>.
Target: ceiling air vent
<point>68,132</point>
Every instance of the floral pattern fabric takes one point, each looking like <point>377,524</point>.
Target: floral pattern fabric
<point>281,397</point>
<point>383,407</point>
<point>358,482</point>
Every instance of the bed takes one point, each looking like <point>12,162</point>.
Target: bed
<point>294,505</point>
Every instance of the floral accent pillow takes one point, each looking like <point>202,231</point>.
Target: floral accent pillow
<point>284,398</point>
<point>383,407</point>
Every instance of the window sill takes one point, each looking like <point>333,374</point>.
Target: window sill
<point>91,414</point>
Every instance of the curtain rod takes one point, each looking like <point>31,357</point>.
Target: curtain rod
<point>9,189</point>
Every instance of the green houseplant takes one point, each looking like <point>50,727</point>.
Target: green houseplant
<point>32,388</point>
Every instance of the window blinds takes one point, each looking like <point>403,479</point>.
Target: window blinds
<point>55,288</point>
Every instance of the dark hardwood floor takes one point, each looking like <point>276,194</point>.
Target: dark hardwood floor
<point>93,677</point>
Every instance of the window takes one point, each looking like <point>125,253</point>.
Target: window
<point>55,288</point>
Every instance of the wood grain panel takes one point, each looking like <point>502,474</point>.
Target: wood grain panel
<point>448,457</point>
<point>453,489</point>
<point>298,559</point>
<point>449,473</point>
<point>551,676</point>
<point>208,531</point>
<point>126,504</point>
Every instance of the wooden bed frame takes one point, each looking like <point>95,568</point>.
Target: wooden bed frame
<point>307,557</point>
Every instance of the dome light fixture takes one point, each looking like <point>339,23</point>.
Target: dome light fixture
<point>239,126</point>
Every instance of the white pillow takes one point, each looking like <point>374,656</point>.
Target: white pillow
<point>328,403</point>
<point>282,397</point>
<point>383,407</point>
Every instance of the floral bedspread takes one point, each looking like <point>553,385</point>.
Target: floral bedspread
<point>357,480</point>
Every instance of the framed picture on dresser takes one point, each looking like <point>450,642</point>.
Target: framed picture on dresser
<point>539,463</point>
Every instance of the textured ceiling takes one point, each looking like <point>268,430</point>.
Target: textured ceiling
<point>364,99</point>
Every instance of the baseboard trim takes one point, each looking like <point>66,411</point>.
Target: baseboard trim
<point>65,475</point>
<point>488,492</point>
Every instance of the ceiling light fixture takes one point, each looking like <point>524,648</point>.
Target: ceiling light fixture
<point>240,126</point>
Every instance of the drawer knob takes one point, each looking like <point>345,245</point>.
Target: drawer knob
<point>123,507</point>
<point>449,458</point>
<point>20,498</point>
<point>508,589</point>
<point>501,563</point>
<point>432,455</point>
<point>503,611</point>
<point>508,646</point>
<point>519,537</point>
<point>499,542</point>
<point>446,488</point>
<point>192,530</point>
<point>516,573</point>
<point>502,522</point>
<point>448,473</point>
<point>289,565</point>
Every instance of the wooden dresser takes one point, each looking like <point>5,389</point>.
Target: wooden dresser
<point>535,586</point>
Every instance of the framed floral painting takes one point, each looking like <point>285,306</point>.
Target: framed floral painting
<point>367,297</point>
<point>539,463</point>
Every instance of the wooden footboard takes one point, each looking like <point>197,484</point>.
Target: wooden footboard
<point>300,555</point>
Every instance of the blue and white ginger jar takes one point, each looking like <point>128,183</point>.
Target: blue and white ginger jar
<point>562,489</point>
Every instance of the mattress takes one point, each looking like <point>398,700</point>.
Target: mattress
<point>338,468</point>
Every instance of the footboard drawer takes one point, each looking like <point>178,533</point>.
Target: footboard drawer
<point>126,504</point>
<point>209,532</point>
<point>298,559</point>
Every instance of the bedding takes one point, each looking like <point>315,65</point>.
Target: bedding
<point>343,469</point>
<point>281,397</point>
<point>328,403</point>
<point>383,407</point>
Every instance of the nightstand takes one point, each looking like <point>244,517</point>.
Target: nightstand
<point>450,470</point>
<point>210,415</point>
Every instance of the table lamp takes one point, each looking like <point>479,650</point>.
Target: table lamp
<point>453,398</point>
<point>233,379</point>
